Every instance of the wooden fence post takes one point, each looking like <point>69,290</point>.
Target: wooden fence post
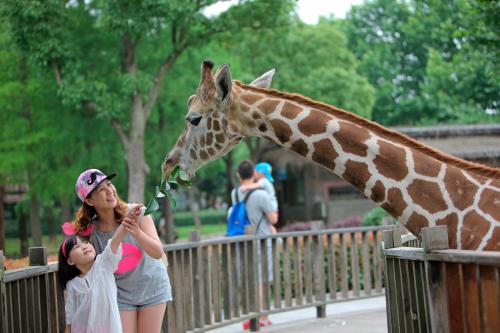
<point>37,256</point>
<point>253,279</point>
<point>3,319</point>
<point>435,238</point>
<point>392,239</point>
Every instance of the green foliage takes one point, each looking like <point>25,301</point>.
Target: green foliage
<point>207,216</point>
<point>375,217</point>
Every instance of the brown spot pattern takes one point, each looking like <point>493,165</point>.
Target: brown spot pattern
<point>193,155</point>
<point>219,138</point>
<point>216,125</point>
<point>452,222</point>
<point>210,151</point>
<point>490,203</point>
<point>473,230</point>
<point>425,165</point>
<point>351,138</point>
<point>493,243</point>
<point>395,204</point>
<point>427,195</point>
<point>391,161</point>
<point>268,106</point>
<point>461,190</point>
<point>209,123</point>
<point>314,123</point>
<point>256,116</point>
<point>250,98</point>
<point>202,141</point>
<point>324,153</point>
<point>300,147</point>
<point>480,179</point>
<point>263,127</point>
<point>210,138</point>
<point>282,130</point>
<point>378,192</point>
<point>203,155</point>
<point>244,108</point>
<point>415,223</point>
<point>290,110</point>
<point>357,174</point>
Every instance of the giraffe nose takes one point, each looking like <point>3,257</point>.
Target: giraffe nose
<point>194,118</point>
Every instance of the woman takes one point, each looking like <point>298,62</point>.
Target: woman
<point>141,277</point>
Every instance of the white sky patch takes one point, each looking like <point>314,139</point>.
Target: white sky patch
<point>309,10</point>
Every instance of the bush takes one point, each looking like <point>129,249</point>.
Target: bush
<point>208,216</point>
<point>375,217</point>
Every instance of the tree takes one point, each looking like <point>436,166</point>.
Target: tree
<point>110,72</point>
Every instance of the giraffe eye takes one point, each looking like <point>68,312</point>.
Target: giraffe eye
<point>194,118</point>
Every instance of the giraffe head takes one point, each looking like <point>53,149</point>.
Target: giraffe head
<point>214,123</point>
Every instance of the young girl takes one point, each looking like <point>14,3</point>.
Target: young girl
<point>91,303</point>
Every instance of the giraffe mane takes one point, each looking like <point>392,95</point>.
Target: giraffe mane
<point>475,168</point>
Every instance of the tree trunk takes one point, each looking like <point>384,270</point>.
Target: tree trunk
<point>228,160</point>
<point>168,227</point>
<point>65,210</point>
<point>50,220</point>
<point>193,206</point>
<point>2,225</point>
<point>23,232</point>
<point>36,232</point>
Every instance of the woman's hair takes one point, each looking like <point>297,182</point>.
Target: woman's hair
<point>66,271</point>
<point>86,214</point>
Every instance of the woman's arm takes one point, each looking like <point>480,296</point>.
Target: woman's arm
<point>145,233</point>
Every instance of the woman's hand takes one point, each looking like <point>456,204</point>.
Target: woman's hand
<point>130,221</point>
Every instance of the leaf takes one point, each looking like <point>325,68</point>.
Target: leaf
<point>175,173</point>
<point>183,175</point>
<point>159,193</point>
<point>152,207</point>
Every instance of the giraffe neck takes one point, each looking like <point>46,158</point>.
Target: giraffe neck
<point>417,189</point>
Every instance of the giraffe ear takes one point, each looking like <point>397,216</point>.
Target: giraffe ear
<point>264,81</point>
<point>223,83</point>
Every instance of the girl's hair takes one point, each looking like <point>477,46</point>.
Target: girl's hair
<point>66,271</point>
<point>86,214</point>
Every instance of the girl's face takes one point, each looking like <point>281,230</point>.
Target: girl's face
<point>104,196</point>
<point>82,253</point>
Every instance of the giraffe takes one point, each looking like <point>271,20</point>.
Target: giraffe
<point>416,184</point>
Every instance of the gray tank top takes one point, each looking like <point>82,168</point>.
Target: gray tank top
<point>138,277</point>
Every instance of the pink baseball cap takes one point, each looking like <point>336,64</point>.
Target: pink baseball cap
<point>88,181</point>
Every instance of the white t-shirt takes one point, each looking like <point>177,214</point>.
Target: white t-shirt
<point>91,304</point>
<point>269,188</point>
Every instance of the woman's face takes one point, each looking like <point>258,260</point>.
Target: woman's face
<point>82,253</point>
<point>103,196</point>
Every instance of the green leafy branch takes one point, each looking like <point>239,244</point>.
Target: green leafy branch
<point>178,177</point>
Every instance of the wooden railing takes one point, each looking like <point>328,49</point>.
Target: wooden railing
<point>216,282</point>
<point>433,289</point>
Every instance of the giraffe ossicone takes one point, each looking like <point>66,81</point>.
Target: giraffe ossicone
<point>416,184</point>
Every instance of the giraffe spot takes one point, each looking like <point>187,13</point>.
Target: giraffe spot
<point>351,138</point>
<point>314,123</point>
<point>263,127</point>
<point>256,116</point>
<point>282,130</point>
<point>391,161</point>
<point>479,178</point>
<point>451,221</point>
<point>378,192</point>
<point>250,98</point>
<point>209,123</point>
<point>460,189</point>
<point>490,203</point>
<point>211,151</point>
<point>203,155</point>
<point>249,123</point>
<point>473,230</point>
<point>493,243</point>
<point>357,174</point>
<point>268,106</point>
<point>427,195</point>
<point>324,153</point>
<point>193,155</point>
<point>216,125</point>
<point>218,146</point>
<point>300,147</point>
<point>415,223</point>
<point>425,165</point>
<point>219,138</point>
<point>202,141</point>
<point>290,110</point>
<point>244,108</point>
<point>210,138</point>
<point>224,123</point>
<point>395,204</point>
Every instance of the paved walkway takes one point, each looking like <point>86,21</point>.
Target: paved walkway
<point>366,315</point>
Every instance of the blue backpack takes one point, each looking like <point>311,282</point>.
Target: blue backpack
<point>238,217</point>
